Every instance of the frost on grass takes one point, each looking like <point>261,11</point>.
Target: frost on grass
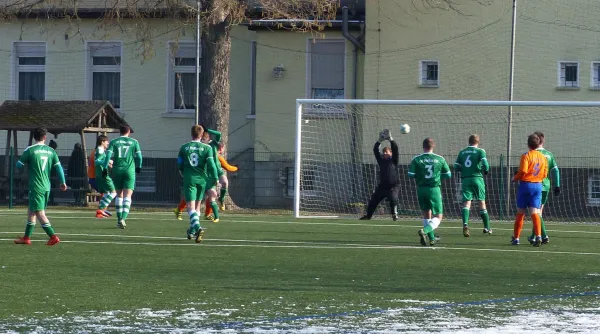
<point>574,315</point>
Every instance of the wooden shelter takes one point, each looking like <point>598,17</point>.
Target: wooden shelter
<point>57,117</point>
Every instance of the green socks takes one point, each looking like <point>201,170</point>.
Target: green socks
<point>465,216</point>
<point>215,209</point>
<point>126,206</point>
<point>222,194</point>
<point>29,229</point>
<point>194,221</point>
<point>119,207</point>
<point>48,229</point>
<point>106,199</point>
<point>486,219</point>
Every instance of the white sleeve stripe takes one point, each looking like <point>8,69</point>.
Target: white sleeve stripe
<point>447,173</point>
<point>58,163</point>
<point>20,163</point>
<point>483,158</point>
<point>456,163</point>
<point>411,173</point>
<point>555,167</point>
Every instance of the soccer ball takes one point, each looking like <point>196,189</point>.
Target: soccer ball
<point>404,128</point>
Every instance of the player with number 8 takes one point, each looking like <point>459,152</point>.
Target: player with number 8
<point>194,160</point>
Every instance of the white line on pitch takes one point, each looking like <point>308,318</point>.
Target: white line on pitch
<point>327,223</point>
<point>319,246</point>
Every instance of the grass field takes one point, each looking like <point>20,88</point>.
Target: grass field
<point>272,274</point>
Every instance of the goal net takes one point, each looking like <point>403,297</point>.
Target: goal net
<point>336,171</point>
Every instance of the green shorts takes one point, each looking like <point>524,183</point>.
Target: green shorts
<point>38,200</point>
<point>221,172</point>
<point>105,185</point>
<point>430,198</point>
<point>124,180</point>
<point>211,183</point>
<point>473,188</point>
<point>194,191</point>
<point>545,196</point>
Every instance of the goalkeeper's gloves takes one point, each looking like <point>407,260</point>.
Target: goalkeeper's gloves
<point>387,135</point>
<point>104,173</point>
<point>556,191</point>
<point>381,137</point>
<point>138,170</point>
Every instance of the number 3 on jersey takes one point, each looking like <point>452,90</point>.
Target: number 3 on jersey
<point>194,159</point>
<point>429,174</point>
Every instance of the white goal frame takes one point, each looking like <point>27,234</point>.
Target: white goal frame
<point>301,102</point>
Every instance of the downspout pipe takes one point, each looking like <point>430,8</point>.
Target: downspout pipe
<point>346,33</point>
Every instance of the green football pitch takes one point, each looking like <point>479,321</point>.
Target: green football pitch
<point>272,274</point>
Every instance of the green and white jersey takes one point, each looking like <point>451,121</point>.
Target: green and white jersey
<point>194,160</point>
<point>40,159</point>
<point>99,160</point>
<point>551,165</point>
<point>428,168</point>
<point>125,153</point>
<point>471,162</point>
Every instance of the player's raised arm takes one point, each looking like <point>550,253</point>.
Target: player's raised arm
<point>446,174</point>
<point>395,152</point>
<point>216,134</point>
<point>376,151</point>
<point>226,165</point>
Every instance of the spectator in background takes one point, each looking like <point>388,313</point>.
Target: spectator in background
<point>77,174</point>
<point>53,181</point>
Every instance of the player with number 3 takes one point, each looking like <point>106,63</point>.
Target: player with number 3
<point>428,169</point>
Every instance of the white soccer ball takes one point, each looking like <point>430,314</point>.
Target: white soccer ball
<point>404,128</point>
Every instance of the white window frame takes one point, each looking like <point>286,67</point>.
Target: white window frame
<point>594,68</point>
<point>172,69</point>
<point>331,108</point>
<point>563,85</point>
<point>91,68</point>
<point>422,82</point>
<point>591,201</point>
<point>16,68</point>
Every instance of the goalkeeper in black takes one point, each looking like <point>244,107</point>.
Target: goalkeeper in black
<point>389,183</point>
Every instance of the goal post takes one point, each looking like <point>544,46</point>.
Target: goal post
<point>335,171</point>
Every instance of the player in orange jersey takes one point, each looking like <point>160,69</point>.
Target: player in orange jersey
<point>533,169</point>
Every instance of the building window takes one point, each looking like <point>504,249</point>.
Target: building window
<point>105,72</point>
<point>429,73</point>
<point>30,79</point>
<point>327,70</point>
<point>568,74</point>
<point>595,75</point>
<point>307,182</point>
<point>593,198</point>
<point>182,77</point>
<point>146,180</point>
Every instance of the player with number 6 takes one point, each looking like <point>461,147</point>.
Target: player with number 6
<point>472,164</point>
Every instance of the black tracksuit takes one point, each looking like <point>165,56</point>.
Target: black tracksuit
<point>389,184</point>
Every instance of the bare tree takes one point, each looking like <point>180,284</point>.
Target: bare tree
<point>217,19</point>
